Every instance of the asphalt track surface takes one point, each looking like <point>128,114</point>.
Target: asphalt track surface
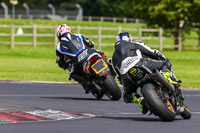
<point>67,109</point>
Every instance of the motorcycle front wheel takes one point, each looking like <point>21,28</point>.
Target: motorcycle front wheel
<point>163,109</point>
<point>186,114</point>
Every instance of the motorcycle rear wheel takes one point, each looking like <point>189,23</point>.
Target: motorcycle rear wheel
<point>111,88</point>
<point>163,109</point>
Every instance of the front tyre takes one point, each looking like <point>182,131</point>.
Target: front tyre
<point>111,88</point>
<point>186,114</point>
<point>163,109</point>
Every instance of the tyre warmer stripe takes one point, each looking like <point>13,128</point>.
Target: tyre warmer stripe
<point>40,115</point>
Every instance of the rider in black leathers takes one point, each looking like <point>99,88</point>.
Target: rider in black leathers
<point>66,55</point>
<point>131,52</point>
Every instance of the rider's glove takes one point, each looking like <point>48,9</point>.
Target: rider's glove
<point>170,65</point>
<point>91,44</point>
<point>138,41</point>
<point>159,55</point>
<point>88,43</point>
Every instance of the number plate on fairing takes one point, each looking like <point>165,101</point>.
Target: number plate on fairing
<point>99,66</point>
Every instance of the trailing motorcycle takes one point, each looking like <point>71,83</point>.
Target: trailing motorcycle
<point>96,69</point>
<point>162,98</point>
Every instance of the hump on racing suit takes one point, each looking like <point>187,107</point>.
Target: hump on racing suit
<point>71,45</point>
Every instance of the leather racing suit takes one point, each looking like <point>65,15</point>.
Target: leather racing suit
<point>66,52</point>
<point>133,53</point>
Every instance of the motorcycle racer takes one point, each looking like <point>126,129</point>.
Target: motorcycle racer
<point>66,52</point>
<point>129,53</point>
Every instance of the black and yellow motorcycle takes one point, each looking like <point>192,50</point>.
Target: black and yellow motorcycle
<point>163,97</point>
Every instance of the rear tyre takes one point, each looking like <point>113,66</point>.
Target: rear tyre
<point>163,109</point>
<point>186,114</point>
<point>111,88</point>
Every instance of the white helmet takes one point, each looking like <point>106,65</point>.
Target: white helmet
<point>62,29</point>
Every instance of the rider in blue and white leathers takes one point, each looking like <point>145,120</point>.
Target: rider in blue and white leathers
<point>67,53</point>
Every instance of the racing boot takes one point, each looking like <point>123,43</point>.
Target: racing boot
<point>87,85</point>
<point>141,102</point>
<point>128,98</point>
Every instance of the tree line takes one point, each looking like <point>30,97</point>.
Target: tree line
<point>165,13</point>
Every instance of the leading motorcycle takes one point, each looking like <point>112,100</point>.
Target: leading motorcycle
<point>96,69</point>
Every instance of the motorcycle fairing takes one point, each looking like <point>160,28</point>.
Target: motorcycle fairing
<point>168,77</point>
<point>137,75</point>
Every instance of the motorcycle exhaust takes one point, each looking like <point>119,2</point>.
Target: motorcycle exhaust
<point>163,80</point>
<point>156,74</point>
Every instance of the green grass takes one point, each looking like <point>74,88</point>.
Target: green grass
<point>26,63</point>
<point>186,66</point>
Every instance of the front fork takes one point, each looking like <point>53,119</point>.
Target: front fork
<point>179,101</point>
<point>176,98</point>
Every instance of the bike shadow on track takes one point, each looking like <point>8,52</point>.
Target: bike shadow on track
<point>136,118</point>
<point>77,98</point>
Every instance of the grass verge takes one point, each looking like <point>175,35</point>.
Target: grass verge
<point>26,63</point>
